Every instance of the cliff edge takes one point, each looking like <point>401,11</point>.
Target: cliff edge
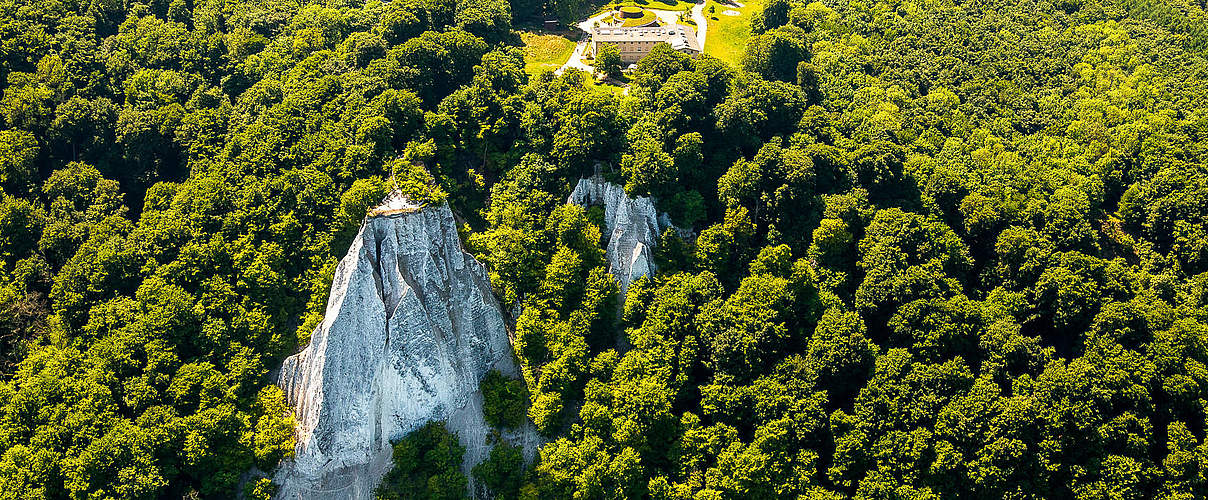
<point>411,328</point>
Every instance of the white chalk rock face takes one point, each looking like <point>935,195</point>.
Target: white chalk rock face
<point>633,226</point>
<point>410,329</point>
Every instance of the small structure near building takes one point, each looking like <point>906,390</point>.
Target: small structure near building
<point>635,42</point>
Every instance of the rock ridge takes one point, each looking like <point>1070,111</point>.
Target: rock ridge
<point>410,329</point>
<point>633,227</point>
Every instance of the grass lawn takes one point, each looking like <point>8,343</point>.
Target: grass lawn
<point>609,87</point>
<point>590,82</point>
<point>648,4</point>
<point>545,52</point>
<point>647,18</point>
<point>728,35</point>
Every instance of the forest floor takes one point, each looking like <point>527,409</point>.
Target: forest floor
<point>728,34</point>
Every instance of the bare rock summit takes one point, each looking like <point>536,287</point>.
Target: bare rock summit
<point>411,328</point>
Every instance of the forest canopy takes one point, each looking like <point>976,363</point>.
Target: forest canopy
<point>949,249</point>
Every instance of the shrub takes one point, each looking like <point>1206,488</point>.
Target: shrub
<point>417,184</point>
<point>502,472</point>
<point>427,464</point>
<point>504,400</point>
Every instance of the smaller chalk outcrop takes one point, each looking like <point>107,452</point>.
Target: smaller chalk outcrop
<point>632,225</point>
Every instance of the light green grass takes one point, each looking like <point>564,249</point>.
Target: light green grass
<point>589,81</point>
<point>606,86</point>
<point>647,18</point>
<point>545,52</point>
<point>647,4</point>
<point>728,35</point>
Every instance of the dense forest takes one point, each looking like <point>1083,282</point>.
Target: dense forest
<point>944,249</point>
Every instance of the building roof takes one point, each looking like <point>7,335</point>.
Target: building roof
<point>676,35</point>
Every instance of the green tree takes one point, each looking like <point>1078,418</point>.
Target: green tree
<point>774,55</point>
<point>841,355</point>
<point>723,247</point>
<point>648,170</point>
<point>504,400</point>
<point>608,60</point>
<point>427,464</point>
<point>18,156</point>
<point>660,64</point>
<point>502,472</point>
<point>906,256</point>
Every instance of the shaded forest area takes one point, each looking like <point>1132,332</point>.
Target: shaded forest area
<point>945,249</point>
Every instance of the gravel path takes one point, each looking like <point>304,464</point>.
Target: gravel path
<point>702,24</point>
<point>576,57</point>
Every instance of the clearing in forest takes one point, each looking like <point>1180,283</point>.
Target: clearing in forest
<point>728,33</point>
<point>545,52</point>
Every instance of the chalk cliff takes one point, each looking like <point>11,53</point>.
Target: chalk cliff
<point>410,329</point>
<point>632,225</point>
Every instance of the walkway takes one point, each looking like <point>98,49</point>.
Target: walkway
<point>698,16</point>
<point>702,24</point>
<point>576,57</point>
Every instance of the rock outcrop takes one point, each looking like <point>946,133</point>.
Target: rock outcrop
<point>633,226</point>
<point>410,329</point>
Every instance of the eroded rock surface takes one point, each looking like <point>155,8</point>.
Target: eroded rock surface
<point>632,225</point>
<point>410,329</point>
